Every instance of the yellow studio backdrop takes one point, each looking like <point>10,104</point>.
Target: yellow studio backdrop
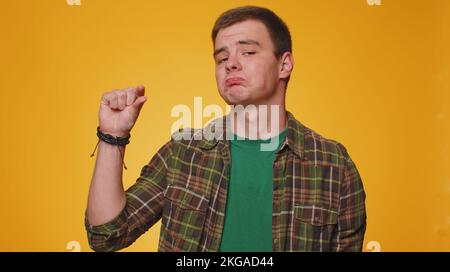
<point>374,77</point>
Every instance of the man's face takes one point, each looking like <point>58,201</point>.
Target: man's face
<point>247,71</point>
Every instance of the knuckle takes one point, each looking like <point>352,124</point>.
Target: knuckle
<point>130,93</point>
<point>122,94</point>
<point>113,94</point>
<point>106,95</point>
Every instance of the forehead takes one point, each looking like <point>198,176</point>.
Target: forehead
<point>246,30</point>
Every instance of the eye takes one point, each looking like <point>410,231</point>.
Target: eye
<point>222,60</point>
<point>248,53</point>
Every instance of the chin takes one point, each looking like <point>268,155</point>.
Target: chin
<point>236,95</point>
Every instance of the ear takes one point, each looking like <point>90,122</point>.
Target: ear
<point>286,65</point>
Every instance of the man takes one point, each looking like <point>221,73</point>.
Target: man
<point>227,194</point>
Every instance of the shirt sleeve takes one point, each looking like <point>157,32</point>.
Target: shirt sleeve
<point>349,233</point>
<point>144,202</point>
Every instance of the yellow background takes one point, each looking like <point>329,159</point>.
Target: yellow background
<point>375,78</point>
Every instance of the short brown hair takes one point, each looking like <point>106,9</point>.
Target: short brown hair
<point>278,30</point>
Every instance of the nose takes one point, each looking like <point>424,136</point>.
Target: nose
<point>233,64</point>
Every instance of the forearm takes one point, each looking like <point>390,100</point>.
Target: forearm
<point>106,194</point>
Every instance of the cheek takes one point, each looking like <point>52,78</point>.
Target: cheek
<point>219,77</point>
<point>259,73</point>
<point>270,72</point>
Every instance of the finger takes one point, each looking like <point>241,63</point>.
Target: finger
<point>139,102</point>
<point>122,100</point>
<point>130,95</point>
<point>105,99</point>
<point>113,101</point>
<point>139,90</point>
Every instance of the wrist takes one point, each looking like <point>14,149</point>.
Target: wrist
<point>119,142</point>
<point>120,134</point>
<point>117,134</point>
<point>111,139</point>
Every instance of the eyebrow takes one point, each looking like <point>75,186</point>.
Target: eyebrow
<point>217,51</point>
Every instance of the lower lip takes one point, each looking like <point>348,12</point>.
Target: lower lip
<point>231,84</point>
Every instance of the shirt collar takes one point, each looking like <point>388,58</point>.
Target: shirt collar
<point>217,131</point>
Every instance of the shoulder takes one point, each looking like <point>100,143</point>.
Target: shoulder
<point>323,150</point>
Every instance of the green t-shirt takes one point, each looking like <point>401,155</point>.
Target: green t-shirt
<point>248,214</point>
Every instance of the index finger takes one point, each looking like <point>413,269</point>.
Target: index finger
<point>139,90</point>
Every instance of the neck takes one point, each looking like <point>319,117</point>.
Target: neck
<point>258,121</point>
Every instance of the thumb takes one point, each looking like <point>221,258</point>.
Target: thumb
<point>139,102</point>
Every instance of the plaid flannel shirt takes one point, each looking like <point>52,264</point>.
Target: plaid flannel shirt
<point>318,197</point>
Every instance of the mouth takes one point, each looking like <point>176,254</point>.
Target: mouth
<point>234,81</point>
